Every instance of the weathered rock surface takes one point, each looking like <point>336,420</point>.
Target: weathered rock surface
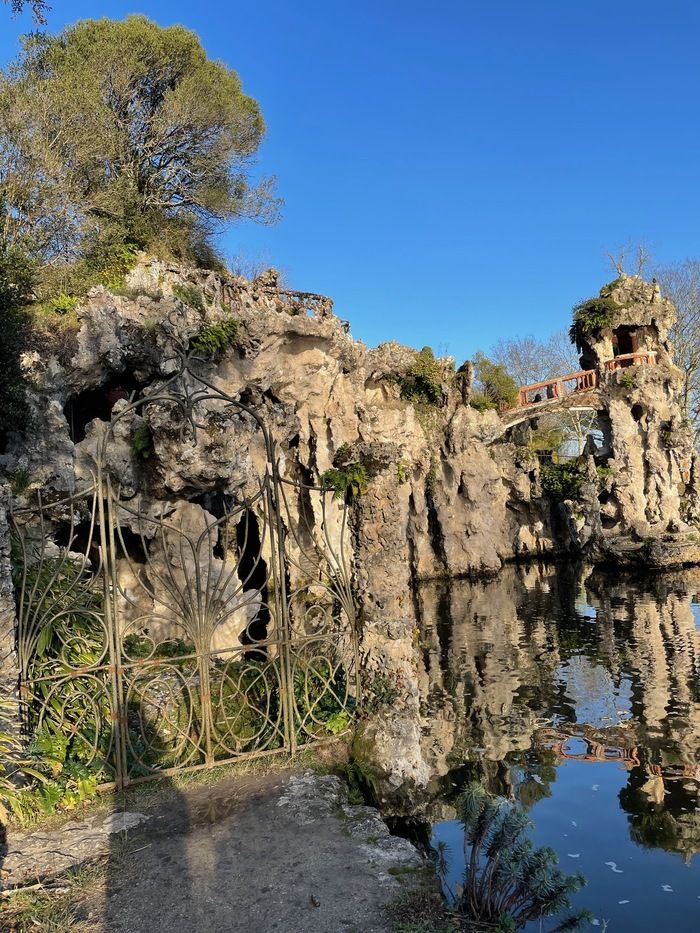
<point>444,498</point>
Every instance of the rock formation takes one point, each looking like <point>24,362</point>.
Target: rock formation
<point>443,498</point>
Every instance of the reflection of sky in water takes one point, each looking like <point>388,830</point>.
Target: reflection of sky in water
<point>591,689</point>
<point>695,609</point>
<point>588,831</point>
<point>623,825</point>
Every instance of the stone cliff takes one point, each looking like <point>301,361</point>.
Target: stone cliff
<point>449,492</point>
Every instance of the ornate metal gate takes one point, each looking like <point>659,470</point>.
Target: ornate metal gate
<point>158,634</point>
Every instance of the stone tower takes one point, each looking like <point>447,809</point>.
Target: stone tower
<point>645,451</point>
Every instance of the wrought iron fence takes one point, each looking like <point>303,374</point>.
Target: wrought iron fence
<point>160,634</point>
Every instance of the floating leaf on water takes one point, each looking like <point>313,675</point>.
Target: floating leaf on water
<point>667,887</point>
<point>595,787</point>
<point>623,902</point>
<point>574,823</point>
<point>613,866</point>
<point>574,854</point>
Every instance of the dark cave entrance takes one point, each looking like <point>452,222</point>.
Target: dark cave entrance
<point>98,403</point>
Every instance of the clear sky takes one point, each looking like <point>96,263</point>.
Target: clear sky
<point>455,171</point>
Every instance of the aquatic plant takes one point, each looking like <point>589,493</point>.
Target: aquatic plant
<point>507,881</point>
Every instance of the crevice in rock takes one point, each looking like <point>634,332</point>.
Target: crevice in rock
<point>437,540</point>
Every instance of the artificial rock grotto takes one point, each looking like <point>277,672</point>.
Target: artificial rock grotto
<point>451,490</point>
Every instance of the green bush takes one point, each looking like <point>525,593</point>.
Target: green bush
<point>16,282</point>
<point>495,383</point>
<point>561,481</point>
<point>347,482</point>
<point>628,379</point>
<point>509,883</point>
<point>481,402</point>
<point>215,338</point>
<point>190,295</point>
<point>591,317</point>
<point>70,732</point>
<point>142,442</point>
<point>423,382</point>
<point>106,262</point>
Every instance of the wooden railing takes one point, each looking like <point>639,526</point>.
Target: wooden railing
<point>583,381</point>
<point>559,387</point>
<point>630,359</point>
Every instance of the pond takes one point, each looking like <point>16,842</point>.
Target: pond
<point>577,693</point>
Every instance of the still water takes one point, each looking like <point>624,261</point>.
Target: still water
<point>577,693</point>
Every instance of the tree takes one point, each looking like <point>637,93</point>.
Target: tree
<point>681,283</point>
<point>39,9</point>
<point>529,360</point>
<point>493,381</point>
<point>125,131</point>
<point>15,290</point>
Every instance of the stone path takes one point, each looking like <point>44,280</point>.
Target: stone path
<point>283,852</point>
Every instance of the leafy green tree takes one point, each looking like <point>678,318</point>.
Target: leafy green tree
<point>124,131</point>
<point>493,382</point>
<point>15,290</point>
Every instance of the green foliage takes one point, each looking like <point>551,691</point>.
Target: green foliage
<point>495,383</point>
<point>628,379</point>
<point>507,881</point>
<point>16,282</point>
<point>590,318</point>
<point>547,440</point>
<point>19,480</point>
<point>155,144</point>
<point>481,402</point>
<point>423,382</point>
<point>604,473</point>
<point>362,781</point>
<point>403,468</point>
<point>61,304</point>
<point>15,766</point>
<point>190,295</point>
<point>214,339</point>
<point>142,442</point>
<point>561,481</point>
<point>71,731</point>
<point>347,482</point>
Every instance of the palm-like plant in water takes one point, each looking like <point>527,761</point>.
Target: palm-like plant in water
<point>507,881</point>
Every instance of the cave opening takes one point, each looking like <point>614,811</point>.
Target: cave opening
<point>252,572</point>
<point>98,403</point>
<point>625,340</point>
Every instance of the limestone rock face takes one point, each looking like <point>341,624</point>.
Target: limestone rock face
<point>443,497</point>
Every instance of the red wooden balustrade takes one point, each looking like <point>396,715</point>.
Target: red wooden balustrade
<point>558,387</point>
<point>582,381</point>
<point>630,359</point>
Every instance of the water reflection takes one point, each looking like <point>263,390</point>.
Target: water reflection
<point>577,692</point>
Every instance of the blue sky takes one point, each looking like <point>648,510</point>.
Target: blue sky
<point>454,172</point>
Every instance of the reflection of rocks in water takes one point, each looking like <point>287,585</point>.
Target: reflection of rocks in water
<point>536,666</point>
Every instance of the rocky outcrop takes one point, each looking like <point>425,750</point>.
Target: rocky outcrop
<point>443,499</point>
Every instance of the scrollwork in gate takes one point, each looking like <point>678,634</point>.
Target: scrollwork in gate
<point>186,632</point>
